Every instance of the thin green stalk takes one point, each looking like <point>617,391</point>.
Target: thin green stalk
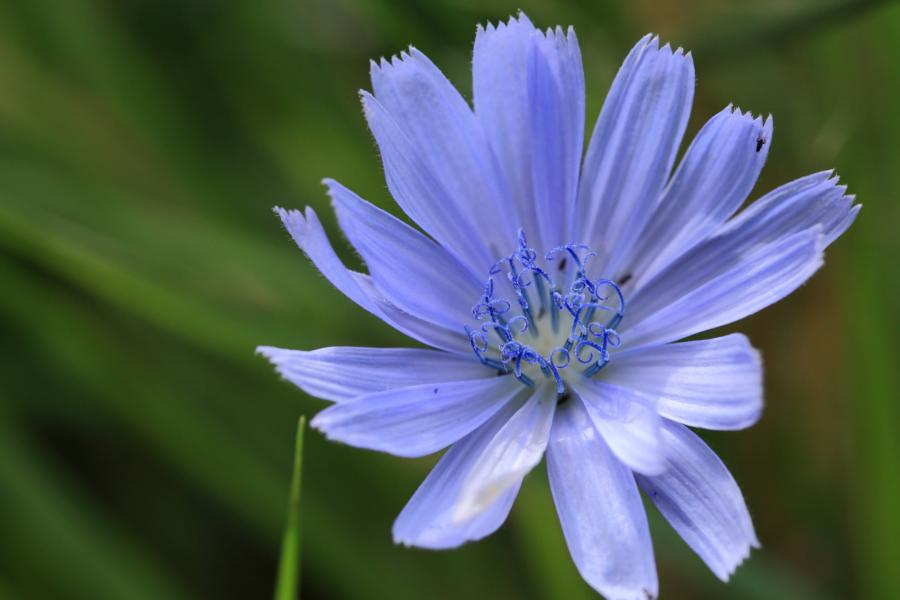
<point>288,583</point>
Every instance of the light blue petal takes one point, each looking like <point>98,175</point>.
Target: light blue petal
<point>343,373</point>
<point>600,509</point>
<point>701,500</point>
<point>412,272</point>
<point>516,449</point>
<point>719,282</point>
<point>422,195</point>
<point>753,260</point>
<point>418,420</point>
<point>627,420</point>
<point>632,150</point>
<point>714,384</point>
<point>438,162</point>
<point>502,107</point>
<point>556,96</point>
<point>427,519</point>
<point>529,97</point>
<point>308,233</point>
<point>714,178</point>
<point>435,336</point>
<point>816,199</point>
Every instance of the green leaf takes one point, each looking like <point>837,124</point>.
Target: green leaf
<point>288,584</point>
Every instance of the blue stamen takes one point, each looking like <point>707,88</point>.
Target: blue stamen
<point>588,339</point>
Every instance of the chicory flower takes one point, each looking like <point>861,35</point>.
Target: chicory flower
<point>553,291</point>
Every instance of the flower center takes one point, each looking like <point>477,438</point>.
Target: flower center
<point>530,327</point>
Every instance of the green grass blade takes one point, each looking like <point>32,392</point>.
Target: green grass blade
<point>288,584</point>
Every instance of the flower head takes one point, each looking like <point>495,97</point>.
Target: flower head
<point>553,292</point>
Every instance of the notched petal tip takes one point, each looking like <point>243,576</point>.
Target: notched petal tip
<point>733,110</point>
<point>269,352</point>
<point>521,17</point>
<point>386,65</point>
<point>677,57</point>
<point>369,105</point>
<point>290,218</point>
<point>739,559</point>
<point>401,541</point>
<point>275,356</point>
<point>378,68</point>
<point>564,38</point>
<point>320,423</point>
<point>519,20</point>
<point>334,190</point>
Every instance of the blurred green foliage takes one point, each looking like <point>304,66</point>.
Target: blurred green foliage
<point>145,452</point>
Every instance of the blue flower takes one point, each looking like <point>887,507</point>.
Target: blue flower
<point>553,292</point>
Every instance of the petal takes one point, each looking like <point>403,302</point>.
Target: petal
<point>433,335</point>
<point>702,502</point>
<point>599,509</point>
<point>503,108</point>
<point>511,454</point>
<point>343,373</point>
<point>308,233</point>
<point>632,150</point>
<point>417,420</point>
<point>438,163</point>
<point>556,94</point>
<point>714,178</point>
<point>753,260</point>
<point>803,203</point>
<point>412,272</point>
<point>427,520</point>
<point>628,422</point>
<point>717,283</point>
<point>715,384</point>
<point>529,98</point>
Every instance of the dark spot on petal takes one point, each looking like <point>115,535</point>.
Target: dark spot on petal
<point>435,390</point>
<point>760,142</point>
<point>562,399</point>
<point>625,279</point>
<point>562,263</point>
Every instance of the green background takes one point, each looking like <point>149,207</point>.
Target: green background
<point>145,452</point>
